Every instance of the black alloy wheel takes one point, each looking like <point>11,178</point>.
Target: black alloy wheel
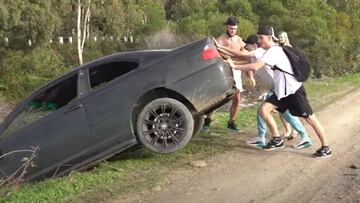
<point>165,125</point>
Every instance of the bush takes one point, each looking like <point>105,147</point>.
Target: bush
<point>22,73</point>
<point>194,26</point>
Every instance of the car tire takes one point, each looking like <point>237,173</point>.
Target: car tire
<point>198,124</point>
<point>164,125</point>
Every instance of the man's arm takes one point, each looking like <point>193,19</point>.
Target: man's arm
<point>250,74</point>
<point>237,61</point>
<point>227,51</point>
<point>247,67</point>
<point>232,52</point>
<point>235,53</point>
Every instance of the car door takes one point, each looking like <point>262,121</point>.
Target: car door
<point>108,105</point>
<point>54,122</point>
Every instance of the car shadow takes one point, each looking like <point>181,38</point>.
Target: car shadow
<point>136,152</point>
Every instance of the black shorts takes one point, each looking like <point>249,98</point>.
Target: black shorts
<point>297,103</point>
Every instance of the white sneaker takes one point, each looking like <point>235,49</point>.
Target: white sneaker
<point>256,142</point>
<point>304,143</point>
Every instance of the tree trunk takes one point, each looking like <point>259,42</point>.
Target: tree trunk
<point>82,31</point>
<point>79,34</point>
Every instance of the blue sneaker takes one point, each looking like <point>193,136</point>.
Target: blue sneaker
<point>256,142</point>
<point>304,143</point>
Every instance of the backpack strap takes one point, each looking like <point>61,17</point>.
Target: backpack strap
<point>277,68</point>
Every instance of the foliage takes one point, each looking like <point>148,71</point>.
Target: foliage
<point>108,18</point>
<point>241,8</point>
<point>325,30</point>
<point>28,20</point>
<point>22,72</point>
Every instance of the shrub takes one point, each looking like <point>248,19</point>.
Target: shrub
<point>22,73</point>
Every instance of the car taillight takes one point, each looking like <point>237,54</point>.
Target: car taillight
<point>210,53</point>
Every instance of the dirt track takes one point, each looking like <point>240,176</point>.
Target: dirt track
<point>289,175</point>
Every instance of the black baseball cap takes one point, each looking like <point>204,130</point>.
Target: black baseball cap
<point>252,39</point>
<point>232,20</point>
<point>267,30</point>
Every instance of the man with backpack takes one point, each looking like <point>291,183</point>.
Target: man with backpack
<point>289,91</point>
<point>287,119</point>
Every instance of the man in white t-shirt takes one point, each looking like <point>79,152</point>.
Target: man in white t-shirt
<point>289,93</point>
<point>289,121</point>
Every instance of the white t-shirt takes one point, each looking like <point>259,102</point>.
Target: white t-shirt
<point>265,74</point>
<point>284,84</point>
<point>258,53</point>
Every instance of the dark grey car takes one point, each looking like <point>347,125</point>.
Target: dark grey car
<point>155,98</point>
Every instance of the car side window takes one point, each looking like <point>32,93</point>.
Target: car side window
<point>105,73</point>
<point>44,103</point>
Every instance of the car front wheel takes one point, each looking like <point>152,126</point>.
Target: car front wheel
<point>164,125</point>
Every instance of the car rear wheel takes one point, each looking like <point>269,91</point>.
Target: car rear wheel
<point>164,125</point>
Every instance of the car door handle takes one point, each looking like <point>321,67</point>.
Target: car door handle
<point>73,108</point>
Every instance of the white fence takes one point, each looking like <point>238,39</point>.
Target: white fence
<point>70,40</point>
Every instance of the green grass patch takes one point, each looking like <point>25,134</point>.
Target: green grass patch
<point>325,91</point>
<point>133,171</point>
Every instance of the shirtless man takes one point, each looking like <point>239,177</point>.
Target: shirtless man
<point>233,42</point>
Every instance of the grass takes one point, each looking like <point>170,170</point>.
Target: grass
<point>326,91</point>
<point>134,171</point>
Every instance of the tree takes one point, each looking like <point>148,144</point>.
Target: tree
<point>108,18</point>
<point>27,20</point>
<point>83,20</point>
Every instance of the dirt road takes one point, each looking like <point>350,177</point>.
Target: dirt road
<point>289,175</point>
